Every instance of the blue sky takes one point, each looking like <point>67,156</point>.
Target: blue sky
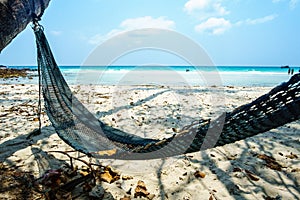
<point>232,32</point>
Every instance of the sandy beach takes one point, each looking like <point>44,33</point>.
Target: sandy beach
<point>157,75</point>
<point>266,166</point>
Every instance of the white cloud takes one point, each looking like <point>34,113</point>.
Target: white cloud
<point>204,9</point>
<point>257,20</point>
<point>215,26</point>
<point>261,20</point>
<point>135,23</point>
<point>221,10</point>
<point>193,5</point>
<point>56,33</point>
<point>209,13</point>
<point>276,1</point>
<point>147,22</point>
<point>292,3</point>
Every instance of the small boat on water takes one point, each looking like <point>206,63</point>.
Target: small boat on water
<point>285,67</point>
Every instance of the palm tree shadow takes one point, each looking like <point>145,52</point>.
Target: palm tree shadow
<point>248,159</point>
<point>36,160</point>
<point>137,103</point>
<point>161,185</point>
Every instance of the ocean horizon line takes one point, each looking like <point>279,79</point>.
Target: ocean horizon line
<point>162,65</point>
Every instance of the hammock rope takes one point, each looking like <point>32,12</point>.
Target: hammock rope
<point>85,133</point>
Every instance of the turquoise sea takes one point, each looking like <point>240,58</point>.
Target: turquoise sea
<point>169,75</point>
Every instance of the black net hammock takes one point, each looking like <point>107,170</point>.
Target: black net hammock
<point>81,130</point>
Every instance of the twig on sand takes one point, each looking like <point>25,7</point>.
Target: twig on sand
<point>4,115</point>
<point>89,164</point>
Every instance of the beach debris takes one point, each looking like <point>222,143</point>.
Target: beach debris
<point>270,162</point>
<point>295,170</point>
<point>59,195</point>
<point>138,123</point>
<point>87,187</point>
<point>53,178</point>
<point>175,130</point>
<point>199,174</point>
<point>109,175</point>
<point>232,157</point>
<point>36,119</point>
<point>211,197</point>
<point>4,115</point>
<point>186,162</point>
<point>119,184</point>
<point>125,198</point>
<point>243,172</point>
<point>141,190</point>
<point>104,96</point>
<point>57,184</point>
<point>236,169</point>
<point>271,198</point>
<point>17,184</point>
<point>292,156</point>
<point>129,191</point>
<point>74,188</point>
<point>251,175</point>
<point>84,171</point>
<point>125,178</point>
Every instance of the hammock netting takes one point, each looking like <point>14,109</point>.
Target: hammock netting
<point>85,133</point>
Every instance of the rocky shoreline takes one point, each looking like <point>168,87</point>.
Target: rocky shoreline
<point>7,73</point>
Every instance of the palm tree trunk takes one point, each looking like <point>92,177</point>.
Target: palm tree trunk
<point>15,16</point>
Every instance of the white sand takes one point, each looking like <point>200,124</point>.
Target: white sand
<point>155,112</point>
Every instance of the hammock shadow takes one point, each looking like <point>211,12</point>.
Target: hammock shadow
<point>46,161</point>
